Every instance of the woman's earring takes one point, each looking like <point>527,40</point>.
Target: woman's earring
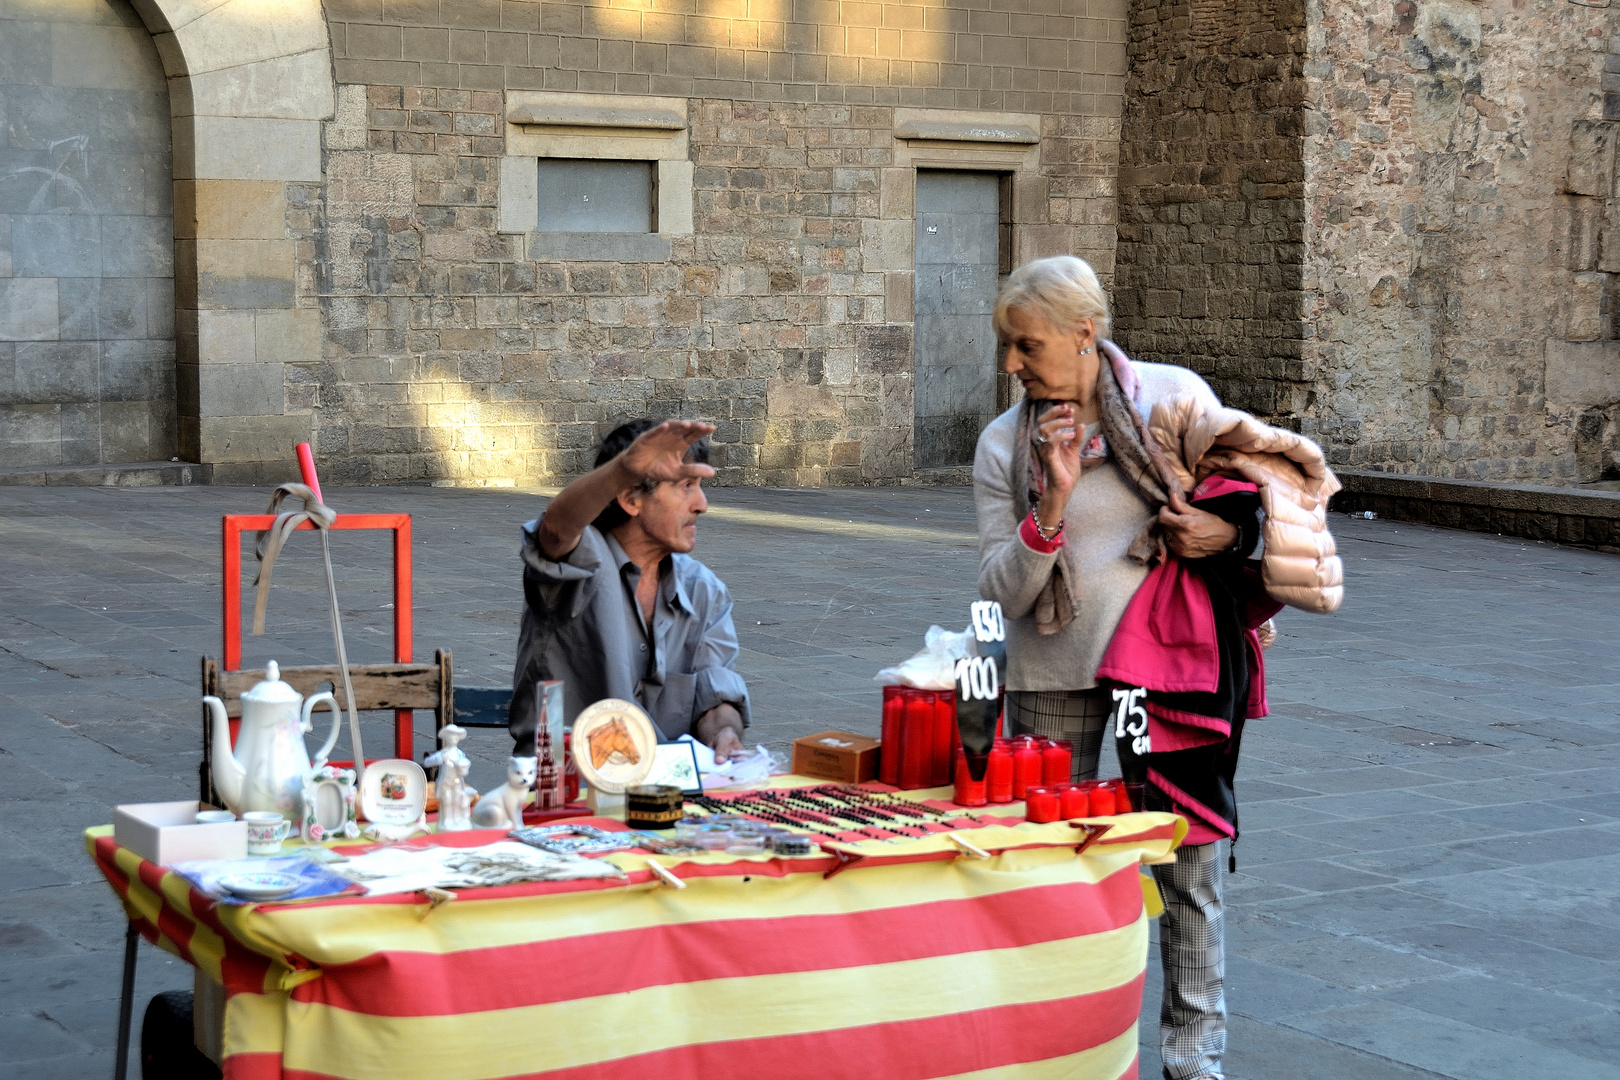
<point>1085,350</point>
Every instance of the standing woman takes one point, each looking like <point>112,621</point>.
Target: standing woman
<point>1070,514</point>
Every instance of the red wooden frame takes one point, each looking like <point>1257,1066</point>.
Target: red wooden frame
<point>234,525</point>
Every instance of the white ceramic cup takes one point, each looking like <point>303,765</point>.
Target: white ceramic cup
<point>214,817</point>
<point>266,830</point>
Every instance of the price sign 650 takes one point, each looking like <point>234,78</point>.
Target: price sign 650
<point>988,625</point>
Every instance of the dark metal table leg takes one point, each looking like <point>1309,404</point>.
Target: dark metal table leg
<point>126,1003</point>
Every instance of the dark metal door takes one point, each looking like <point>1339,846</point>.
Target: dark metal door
<point>958,259</point>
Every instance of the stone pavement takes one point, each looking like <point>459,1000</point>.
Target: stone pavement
<point>1427,877</point>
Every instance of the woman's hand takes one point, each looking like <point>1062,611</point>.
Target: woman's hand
<point>660,453</point>
<point>1059,448</point>
<point>1195,534</point>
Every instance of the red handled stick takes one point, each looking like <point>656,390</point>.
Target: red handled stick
<point>306,465</point>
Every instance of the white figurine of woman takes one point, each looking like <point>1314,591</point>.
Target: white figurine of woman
<point>455,800</point>
<point>503,807</point>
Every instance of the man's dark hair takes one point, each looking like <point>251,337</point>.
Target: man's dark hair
<point>617,441</point>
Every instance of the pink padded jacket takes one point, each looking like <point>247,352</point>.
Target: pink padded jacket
<point>1300,566</point>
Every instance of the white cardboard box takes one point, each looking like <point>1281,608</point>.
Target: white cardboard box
<point>167,832</point>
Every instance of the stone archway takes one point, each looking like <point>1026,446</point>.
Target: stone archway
<point>250,82</point>
<point>86,241</point>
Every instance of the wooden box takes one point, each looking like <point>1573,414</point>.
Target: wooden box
<point>837,755</point>
<point>167,832</point>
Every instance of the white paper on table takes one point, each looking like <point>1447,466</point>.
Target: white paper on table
<point>753,768</point>
<point>406,869</point>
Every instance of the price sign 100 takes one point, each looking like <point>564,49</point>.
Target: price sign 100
<point>977,678</point>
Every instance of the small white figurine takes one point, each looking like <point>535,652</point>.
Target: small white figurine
<point>455,801</point>
<point>503,807</point>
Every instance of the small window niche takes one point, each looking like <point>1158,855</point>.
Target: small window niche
<point>591,177</point>
<point>583,196</point>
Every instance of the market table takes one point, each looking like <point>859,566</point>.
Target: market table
<point>892,960</point>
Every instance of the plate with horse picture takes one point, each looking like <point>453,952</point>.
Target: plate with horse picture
<point>614,744</point>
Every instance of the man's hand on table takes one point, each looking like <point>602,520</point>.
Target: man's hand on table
<point>720,729</point>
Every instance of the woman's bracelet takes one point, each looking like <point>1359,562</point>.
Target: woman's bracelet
<point>1035,513</point>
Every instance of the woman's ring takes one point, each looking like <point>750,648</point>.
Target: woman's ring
<point>1042,440</point>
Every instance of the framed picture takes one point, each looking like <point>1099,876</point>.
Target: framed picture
<point>676,764</point>
<point>329,805</point>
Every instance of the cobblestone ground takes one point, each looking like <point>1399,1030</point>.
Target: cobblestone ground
<point>1428,879</point>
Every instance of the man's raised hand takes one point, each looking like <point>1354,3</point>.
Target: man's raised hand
<point>659,453</point>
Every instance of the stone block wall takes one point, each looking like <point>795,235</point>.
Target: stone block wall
<point>455,353</point>
<point>1389,224</point>
<point>1211,201</point>
<point>86,239</point>
<point>1460,280</point>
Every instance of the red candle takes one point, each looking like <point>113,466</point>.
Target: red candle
<point>1057,761</point>
<point>1134,795</point>
<point>970,792</point>
<point>1026,764</point>
<point>1041,804</point>
<point>894,713</point>
<point>999,773</point>
<point>1102,800</point>
<point>570,770</point>
<point>917,741</point>
<point>1074,802</point>
<point>944,758</point>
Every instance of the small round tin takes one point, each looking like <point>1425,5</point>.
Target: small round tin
<point>791,844</point>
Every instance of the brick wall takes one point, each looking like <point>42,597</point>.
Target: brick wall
<point>1211,200</point>
<point>1019,55</point>
<point>785,318</point>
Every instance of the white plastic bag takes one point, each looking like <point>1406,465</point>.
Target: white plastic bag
<point>935,667</point>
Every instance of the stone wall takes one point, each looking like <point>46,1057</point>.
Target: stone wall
<point>453,354</point>
<point>1211,198</point>
<point>1460,269</point>
<point>86,239</point>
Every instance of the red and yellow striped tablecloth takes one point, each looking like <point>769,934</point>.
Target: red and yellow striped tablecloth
<point>916,962</point>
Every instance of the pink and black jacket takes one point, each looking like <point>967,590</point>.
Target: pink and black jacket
<point>1186,670</point>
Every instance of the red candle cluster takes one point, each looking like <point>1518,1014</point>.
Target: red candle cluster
<point>1018,764</point>
<point>919,737</point>
<point>1089,798</point>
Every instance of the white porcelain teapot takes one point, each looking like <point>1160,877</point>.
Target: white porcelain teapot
<point>268,767</point>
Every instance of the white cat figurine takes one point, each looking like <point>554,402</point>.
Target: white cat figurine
<point>503,807</point>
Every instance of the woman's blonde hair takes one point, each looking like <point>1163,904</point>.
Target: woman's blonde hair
<point>1060,289</point>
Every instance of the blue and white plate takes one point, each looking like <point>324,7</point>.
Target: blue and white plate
<point>259,886</point>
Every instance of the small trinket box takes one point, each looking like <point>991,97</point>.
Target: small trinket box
<point>652,806</point>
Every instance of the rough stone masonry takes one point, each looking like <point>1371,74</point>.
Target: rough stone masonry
<point>1391,225</point>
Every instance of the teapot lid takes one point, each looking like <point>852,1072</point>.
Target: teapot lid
<point>272,691</point>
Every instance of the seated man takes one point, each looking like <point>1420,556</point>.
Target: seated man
<point>616,608</point>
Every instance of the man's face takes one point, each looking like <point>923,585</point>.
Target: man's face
<point>667,516</point>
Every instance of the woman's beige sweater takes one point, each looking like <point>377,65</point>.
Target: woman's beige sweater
<point>1104,515</point>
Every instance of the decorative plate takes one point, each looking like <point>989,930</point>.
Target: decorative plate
<point>259,886</point>
<point>614,744</point>
<point>393,791</point>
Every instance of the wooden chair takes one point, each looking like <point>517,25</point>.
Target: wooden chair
<point>482,706</point>
<point>400,687</point>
